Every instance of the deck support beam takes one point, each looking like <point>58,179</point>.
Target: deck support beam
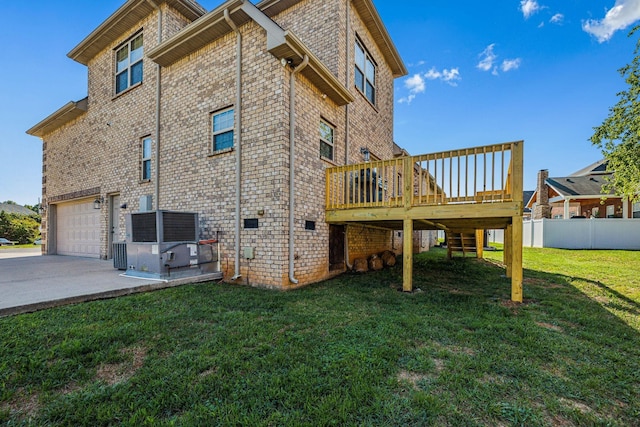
<point>479,244</point>
<point>516,259</point>
<point>506,252</point>
<point>407,256</point>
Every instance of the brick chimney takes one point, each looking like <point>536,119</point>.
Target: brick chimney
<point>542,209</point>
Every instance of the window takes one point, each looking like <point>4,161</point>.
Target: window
<point>365,73</point>
<point>611,211</point>
<point>222,123</point>
<point>145,151</point>
<point>326,140</point>
<point>636,210</point>
<point>129,64</point>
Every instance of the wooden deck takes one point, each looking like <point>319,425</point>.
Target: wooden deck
<point>458,191</point>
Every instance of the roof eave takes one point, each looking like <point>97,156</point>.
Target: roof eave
<point>121,20</point>
<point>281,44</point>
<point>198,34</point>
<point>70,111</point>
<point>372,20</point>
<point>371,17</point>
<point>316,71</point>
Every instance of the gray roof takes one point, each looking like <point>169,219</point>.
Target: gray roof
<point>579,185</point>
<point>15,209</point>
<point>597,168</point>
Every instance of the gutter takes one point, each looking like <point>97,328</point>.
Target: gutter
<point>292,159</point>
<point>238,130</point>
<point>158,106</point>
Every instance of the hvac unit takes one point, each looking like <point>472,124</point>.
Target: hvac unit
<point>164,244</point>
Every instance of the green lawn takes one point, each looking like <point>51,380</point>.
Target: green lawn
<point>349,351</point>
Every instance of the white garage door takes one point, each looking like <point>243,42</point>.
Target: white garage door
<point>78,231</point>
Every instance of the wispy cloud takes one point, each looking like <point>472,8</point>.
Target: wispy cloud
<point>557,19</point>
<point>623,14</point>
<point>450,77</point>
<point>510,64</point>
<point>416,85</point>
<point>489,62</point>
<point>487,58</point>
<point>529,8</point>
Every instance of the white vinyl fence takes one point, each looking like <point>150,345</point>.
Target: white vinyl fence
<point>580,233</point>
<point>607,233</point>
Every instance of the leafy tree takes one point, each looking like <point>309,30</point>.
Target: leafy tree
<point>619,135</point>
<point>20,228</point>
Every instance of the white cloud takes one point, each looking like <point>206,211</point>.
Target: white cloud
<point>621,16</point>
<point>510,64</point>
<point>450,77</point>
<point>416,85</point>
<point>558,18</point>
<point>529,8</point>
<point>487,58</point>
<point>489,62</point>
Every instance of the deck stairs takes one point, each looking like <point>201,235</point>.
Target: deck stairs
<point>461,242</point>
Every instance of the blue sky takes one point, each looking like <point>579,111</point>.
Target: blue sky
<point>480,72</point>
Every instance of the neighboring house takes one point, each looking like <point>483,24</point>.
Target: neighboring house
<point>579,195</point>
<point>233,114</point>
<point>16,209</point>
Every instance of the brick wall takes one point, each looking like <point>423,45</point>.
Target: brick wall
<point>101,150</point>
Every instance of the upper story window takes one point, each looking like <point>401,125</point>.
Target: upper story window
<point>365,72</point>
<point>326,140</point>
<point>222,125</point>
<point>145,161</point>
<point>129,64</point>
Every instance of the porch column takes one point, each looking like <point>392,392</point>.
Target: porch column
<point>407,256</point>
<point>566,208</point>
<point>516,259</point>
<point>625,208</point>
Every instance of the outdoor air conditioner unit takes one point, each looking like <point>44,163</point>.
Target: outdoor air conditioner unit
<point>164,244</point>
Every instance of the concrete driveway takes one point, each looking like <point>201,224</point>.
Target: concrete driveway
<point>30,282</point>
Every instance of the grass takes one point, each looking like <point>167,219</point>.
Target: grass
<point>349,351</point>
<point>27,245</point>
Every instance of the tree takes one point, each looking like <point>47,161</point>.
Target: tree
<point>619,135</point>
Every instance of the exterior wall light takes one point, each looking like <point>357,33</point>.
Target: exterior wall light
<point>97,203</point>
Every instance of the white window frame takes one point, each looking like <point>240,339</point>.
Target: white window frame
<point>635,210</point>
<point>222,130</point>
<point>368,70</point>
<point>146,151</point>
<point>611,211</point>
<point>134,58</point>
<point>326,142</point>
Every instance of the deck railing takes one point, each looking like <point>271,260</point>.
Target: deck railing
<point>485,174</point>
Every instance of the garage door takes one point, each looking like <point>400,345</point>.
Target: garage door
<point>78,229</point>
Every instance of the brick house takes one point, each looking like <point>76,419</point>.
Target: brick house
<point>579,195</point>
<point>233,114</point>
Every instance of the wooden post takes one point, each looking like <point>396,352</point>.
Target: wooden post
<point>407,256</point>
<point>479,244</point>
<point>506,253</point>
<point>516,223</point>
<point>516,259</point>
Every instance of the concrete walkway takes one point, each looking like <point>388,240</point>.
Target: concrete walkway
<point>31,282</point>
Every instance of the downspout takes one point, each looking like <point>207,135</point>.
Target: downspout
<point>158,106</point>
<point>292,159</point>
<point>347,139</point>
<point>238,129</point>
